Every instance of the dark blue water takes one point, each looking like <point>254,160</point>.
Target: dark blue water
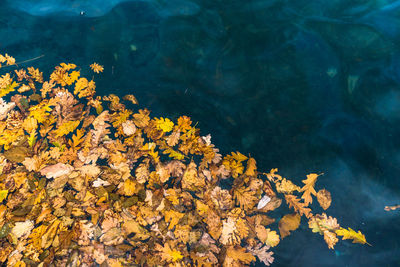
<point>304,86</point>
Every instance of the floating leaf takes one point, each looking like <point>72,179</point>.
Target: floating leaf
<point>289,222</point>
<point>3,194</point>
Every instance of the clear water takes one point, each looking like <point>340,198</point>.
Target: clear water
<point>304,86</point>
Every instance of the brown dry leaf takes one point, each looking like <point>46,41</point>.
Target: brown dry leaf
<point>173,138</point>
<point>16,154</point>
<point>221,198</point>
<point>289,222</point>
<point>324,198</point>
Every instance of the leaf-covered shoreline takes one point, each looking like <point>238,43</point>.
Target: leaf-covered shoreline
<point>84,181</point>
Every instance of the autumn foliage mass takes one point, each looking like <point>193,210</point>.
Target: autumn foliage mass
<point>84,180</point>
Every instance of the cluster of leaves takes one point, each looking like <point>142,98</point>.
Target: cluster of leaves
<point>81,184</point>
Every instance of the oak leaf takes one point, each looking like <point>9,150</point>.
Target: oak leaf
<point>295,203</point>
<point>66,128</point>
<point>168,254</point>
<point>262,253</point>
<point>96,67</point>
<point>308,188</point>
<point>330,239</point>
<point>245,198</point>
<point>349,233</point>
<point>164,124</point>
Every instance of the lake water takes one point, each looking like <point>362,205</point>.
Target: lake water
<point>303,86</point>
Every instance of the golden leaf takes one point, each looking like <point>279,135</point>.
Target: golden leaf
<point>129,187</point>
<point>168,254</point>
<point>172,217</point>
<point>77,139</point>
<point>308,188</point>
<point>66,128</point>
<point>295,203</point>
<point>96,67</point>
<point>251,169</point>
<point>286,186</point>
<point>131,98</point>
<point>48,237</point>
<point>239,254</point>
<point>261,232</point>
<point>289,222</point>
<point>230,234</point>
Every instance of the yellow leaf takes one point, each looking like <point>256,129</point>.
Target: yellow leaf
<point>8,89</point>
<point>272,238</point>
<point>286,186</point>
<point>48,237</point>
<point>166,125</point>
<point>30,124</point>
<point>168,254</point>
<point>174,154</point>
<point>172,217</point>
<point>66,128</point>
<point>32,138</point>
<point>357,237</point>
<point>129,187</point>
<point>3,194</point>
<point>77,138</point>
